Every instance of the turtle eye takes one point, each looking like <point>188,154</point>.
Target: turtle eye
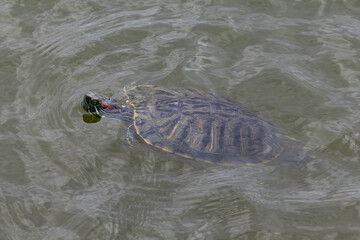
<point>95,102</point>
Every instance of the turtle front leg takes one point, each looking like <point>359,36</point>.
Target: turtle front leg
<point>129,135</point>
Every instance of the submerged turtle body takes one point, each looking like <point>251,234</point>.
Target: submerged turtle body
<point>192,124</point>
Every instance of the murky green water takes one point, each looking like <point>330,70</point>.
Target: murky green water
<point>296,62</point>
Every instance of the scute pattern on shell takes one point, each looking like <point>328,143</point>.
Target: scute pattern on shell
<point>202,126</point>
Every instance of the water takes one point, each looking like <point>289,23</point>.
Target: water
<point>296,62</point>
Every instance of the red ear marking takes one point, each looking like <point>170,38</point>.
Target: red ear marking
<point>104,106</point>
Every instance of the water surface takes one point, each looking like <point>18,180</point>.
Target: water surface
<point>295,62</point>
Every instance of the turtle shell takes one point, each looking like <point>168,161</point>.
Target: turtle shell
<point>202,126</point>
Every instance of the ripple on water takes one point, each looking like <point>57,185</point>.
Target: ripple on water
<point>296,62</point>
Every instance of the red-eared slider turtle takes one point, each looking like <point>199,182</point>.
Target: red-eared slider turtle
<point>191,124</point>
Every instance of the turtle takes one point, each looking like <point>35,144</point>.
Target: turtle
<point>191,124</point>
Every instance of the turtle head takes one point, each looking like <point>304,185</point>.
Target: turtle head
<point>102,106</point>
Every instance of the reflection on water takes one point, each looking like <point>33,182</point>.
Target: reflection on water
<point>88,118</point>
<point>295,62</point>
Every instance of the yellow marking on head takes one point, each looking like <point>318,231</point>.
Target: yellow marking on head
<point>212,138</point>
<point>97,112</point>
<point>173,131</point>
